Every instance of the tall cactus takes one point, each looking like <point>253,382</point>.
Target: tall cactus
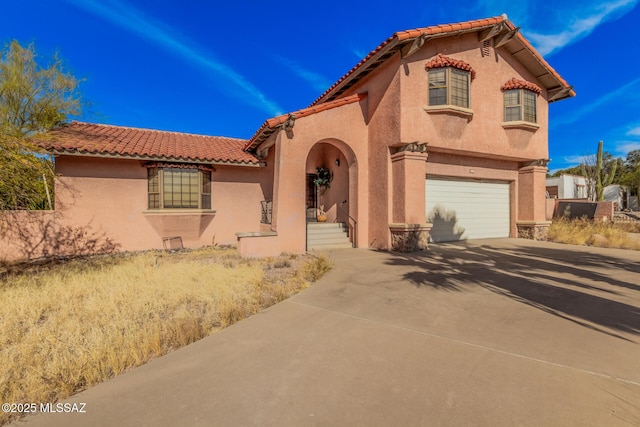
<point>602,177</point>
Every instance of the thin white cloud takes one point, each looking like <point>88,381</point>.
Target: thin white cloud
<point>551,26</point>
<point>360,54</point>
<point>579,113</point>
<point>587,20</point>
<point>127,17</point>
<point>635,131</point>
<point>317,81</point>
<point>518,11</point>
<point>623,147</point>
<point>575,160</point>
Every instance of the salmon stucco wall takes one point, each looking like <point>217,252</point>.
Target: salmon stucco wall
<point>109,196</point>
<point>383,135</point>
<point>35,234</point>
<point>314,141</point>
<point>474,144</point>
<point>481,133</point>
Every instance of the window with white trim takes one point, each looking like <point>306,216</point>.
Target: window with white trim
<point>178,188</point>
<point>520,105</point>
<point>449,86</point>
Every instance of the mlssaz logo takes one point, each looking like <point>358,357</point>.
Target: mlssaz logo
<point>63,407</point>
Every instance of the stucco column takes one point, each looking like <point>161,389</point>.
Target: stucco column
<point>409,229</point>
<point>531,220</point>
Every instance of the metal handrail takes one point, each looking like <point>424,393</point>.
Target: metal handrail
<point>355,223</point>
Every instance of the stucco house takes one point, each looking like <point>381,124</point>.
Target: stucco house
<point>621,196</point>
<point>439,133</point>
<point>568,186</point>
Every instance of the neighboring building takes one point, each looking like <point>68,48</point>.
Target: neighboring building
<point>440,129</point>
<point>568,187</point>
<point>621,196</point>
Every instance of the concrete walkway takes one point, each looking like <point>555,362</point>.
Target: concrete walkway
<point>489,333</point>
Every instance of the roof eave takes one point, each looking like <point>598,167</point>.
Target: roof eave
<point>392,45</point>
<point>557,88</point>
<point>286,121</point>
<point>154,158</point>
<point>401,39</point>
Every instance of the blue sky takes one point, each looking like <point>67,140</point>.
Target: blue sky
<point>222,68</point>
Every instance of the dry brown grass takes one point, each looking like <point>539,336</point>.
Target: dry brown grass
<point>65,327</point>
<point>588,232</point>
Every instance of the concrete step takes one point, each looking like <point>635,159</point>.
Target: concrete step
<point>322,235</point>
<point>325,225</point>
<point>333,246</point>
<point>323,231</point>
<point>322,240</point>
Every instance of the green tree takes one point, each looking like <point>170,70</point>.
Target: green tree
<point>34,98</point>
<point>630,175</point>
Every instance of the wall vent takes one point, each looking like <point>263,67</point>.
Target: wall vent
<point>486,48</point>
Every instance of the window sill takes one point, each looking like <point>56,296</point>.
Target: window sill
<point>179,212</point>
<point>519,124</point>
<point>450,109</point>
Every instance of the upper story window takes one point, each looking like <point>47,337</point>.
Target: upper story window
<point>178,188</point>
<point>520,105</point>
<point>449,86</point>
<point>449,82</point>
<point>520,101</point>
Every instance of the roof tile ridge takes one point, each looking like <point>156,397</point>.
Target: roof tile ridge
<point>406,34</point>
<point>123,127</point>
<point>440,28</point>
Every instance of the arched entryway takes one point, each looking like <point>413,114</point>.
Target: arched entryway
<point>339,200</point>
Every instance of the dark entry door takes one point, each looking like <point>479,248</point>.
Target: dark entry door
<point>312,197</point>
<point>312,194</point>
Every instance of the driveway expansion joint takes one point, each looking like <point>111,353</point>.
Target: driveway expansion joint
<point>470,344</point>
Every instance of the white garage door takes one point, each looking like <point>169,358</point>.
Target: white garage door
<point>461,210</point>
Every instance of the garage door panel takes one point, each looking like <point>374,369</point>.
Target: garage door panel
<point>462,210</point>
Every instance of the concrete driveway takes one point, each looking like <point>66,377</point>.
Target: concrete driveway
<point>487,333</point>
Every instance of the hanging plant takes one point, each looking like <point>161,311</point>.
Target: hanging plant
<point>324,177</point>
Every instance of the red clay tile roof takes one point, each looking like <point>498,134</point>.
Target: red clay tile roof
<point>514,83</point>
<point>440,61</point>
<point>269,126</point>
<point>399,39</point>
<point>119,141</point>
<point>449,28</point>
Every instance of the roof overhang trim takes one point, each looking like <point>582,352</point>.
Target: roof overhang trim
<point>155,158</point>
<point>176,165</point>
<point>287,121</point>
<point>500,29</point>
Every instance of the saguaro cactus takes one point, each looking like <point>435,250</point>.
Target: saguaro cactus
<point>602,177</point>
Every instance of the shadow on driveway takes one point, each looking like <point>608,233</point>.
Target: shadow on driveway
<point>586,287</point>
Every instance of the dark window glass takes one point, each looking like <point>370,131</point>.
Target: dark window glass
<point>459,87</point>
<point>529,109</point>
<point>153,188</point>
<point>206,190</point>
<point>438,86</point>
